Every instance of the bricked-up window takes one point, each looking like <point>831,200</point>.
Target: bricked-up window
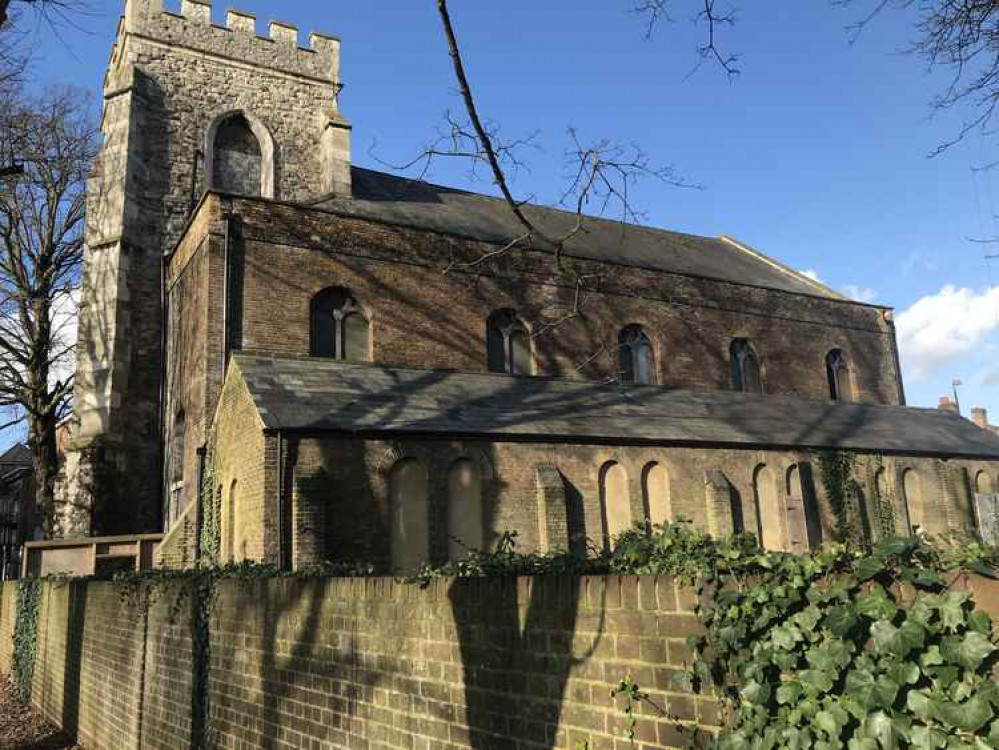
<point>656,497</point>
<point>634,356</point>
<point>983,482</point>
<point>912,490</point>
<point>801,493</point>
<point>410,520</point>
<point>838,374</point>
<point>615,501</point>
<point>746,375</point>
<point>508,344</point>
<point>237,160</point>
<point>768,509</point>
<point>340,329</point>
<point>464,508</point>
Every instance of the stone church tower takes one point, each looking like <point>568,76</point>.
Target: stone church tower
<point>185,102</point>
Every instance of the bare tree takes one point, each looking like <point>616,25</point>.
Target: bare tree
<point>41,247</point>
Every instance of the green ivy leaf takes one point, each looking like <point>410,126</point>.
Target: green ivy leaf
<point>875,605</point>
<point>921,705</point>
<point>870,567</point>
<point>952,609</point>
<point>970,716</point>
<point>829,723</point>
<point>815,680</point>
<point>898,641</point>
<point>969,651</point>
<point>840,620</point>
<point>928,738</point>
<point>788,693</point>
<point>879,727</point>
<point>980,622</point>
<point>755,692</point>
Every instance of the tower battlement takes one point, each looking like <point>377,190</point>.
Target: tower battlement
<point>191,27</point>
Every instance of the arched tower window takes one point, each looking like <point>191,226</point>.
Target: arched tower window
<point>410,522</point>
<point>745,367</point>
<point>236,167</point>
<point>634,356</point>
<point>838,374</point>
<point>656,494</point>
<point>340,329</point>
<point>464,508</point>
<point>614,501</point>
<point>239,156</point>
<point>508,344</point>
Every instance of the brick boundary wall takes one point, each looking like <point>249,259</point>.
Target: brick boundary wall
<point>369,664</point>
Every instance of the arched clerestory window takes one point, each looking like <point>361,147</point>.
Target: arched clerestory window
<point>508,344</point>
<point>838,375</point>
<point>745,363</point>
<point>634,356</point>
<point>340,329</point>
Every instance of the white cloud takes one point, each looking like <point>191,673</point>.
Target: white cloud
<point>941,328</point>
<point>813,275</point>
<point>860,293</point>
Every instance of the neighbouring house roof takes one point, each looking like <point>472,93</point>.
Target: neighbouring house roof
<point>398,200</point>
<point>17,454</point>
<point>328,396</point>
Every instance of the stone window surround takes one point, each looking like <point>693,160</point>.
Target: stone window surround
<point>264,138</point>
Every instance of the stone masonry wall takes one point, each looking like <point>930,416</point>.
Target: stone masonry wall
<point>368,664</point>
<point>170,78</point>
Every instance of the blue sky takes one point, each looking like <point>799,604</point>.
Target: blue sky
<point>816,154</point>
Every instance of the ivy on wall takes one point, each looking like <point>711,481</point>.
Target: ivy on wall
<point>210,541</point>
<point>25,638</point>
<point>835,471</point>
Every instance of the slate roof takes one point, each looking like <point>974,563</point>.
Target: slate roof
<point>324,395</point>
<point>398,200</point>
<point>16,454</point>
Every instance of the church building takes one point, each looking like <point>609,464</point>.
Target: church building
<point>284,357</point>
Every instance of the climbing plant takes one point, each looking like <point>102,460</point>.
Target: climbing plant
<point>882,502</point>
<point>836,470</point>
<point>25,638</point>
<point>210,541</point>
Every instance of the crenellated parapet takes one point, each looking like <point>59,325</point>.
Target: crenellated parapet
<point>238,40</point>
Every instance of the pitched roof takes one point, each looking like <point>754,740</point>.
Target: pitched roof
<point>398,200</point>
<point>324,395</point>
<point>16,454</point>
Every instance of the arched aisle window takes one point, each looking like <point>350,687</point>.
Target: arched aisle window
<point>838,374</point>
<point>656,494</point>
<point>804,519</point>
<point>634,354</point>
<point>745,363</point>
<point>615,503</point>
<point>340,329</point>
<point>464,508</point>
<point>239,156</point>
<point>768,508</point>
<point>508,344</point>
<point>410,515</point>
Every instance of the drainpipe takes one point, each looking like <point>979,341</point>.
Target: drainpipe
<point>282,556</point>
<point>199,511</point>
<point>164,338</point>
<point>230,220</point>
<point>889,317</point>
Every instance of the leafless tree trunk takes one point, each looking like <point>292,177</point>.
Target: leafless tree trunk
<point>41,246</point>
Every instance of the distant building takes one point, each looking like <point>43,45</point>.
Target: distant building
<point>20,520</point>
